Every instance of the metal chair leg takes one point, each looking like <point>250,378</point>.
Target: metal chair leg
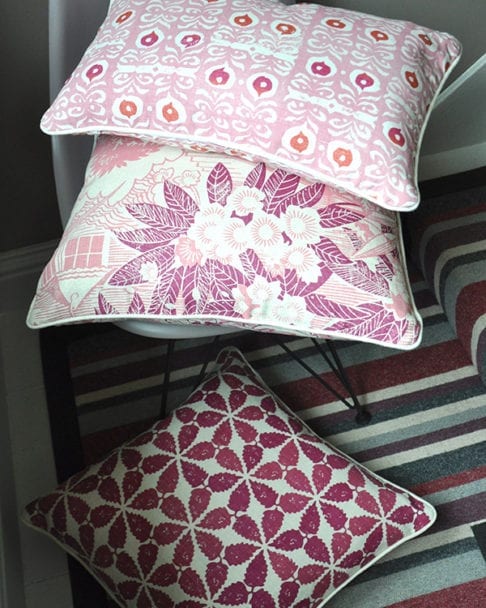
<point>336,366</point>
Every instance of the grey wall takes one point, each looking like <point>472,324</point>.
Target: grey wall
<point>28,201</point>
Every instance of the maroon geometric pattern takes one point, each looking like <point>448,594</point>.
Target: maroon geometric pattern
<point>230,501</point>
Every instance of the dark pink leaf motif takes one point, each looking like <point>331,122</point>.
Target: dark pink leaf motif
<point>374,540</point>
<point>256,571</point>
<point>335,516</point>
<point>272,440</point>
<point>103,557</point>
<point>184,551</point>
<point>239,553</point>
<point>104,307</point>
<point>217,519</point>
<point>298,480</point>
<point>153,463</point>
<point>309,574</point>
<point>147,556</point>
<point>252,456</point>
<point>272,523</point>
<point>339,492</point>
<point>288,541</point>
<point>338,214</point>
<point>291,502</point>
<point>288,592</point>
<point>99,516</point>
<point>164,575</point>
<point>240,498</point>
<point>167,532</point>
<point>194,474</point>
<point>224,276</point>
<point>313,452</point>
<point>263,598</point>
<point>220,482</point>
<point>265,495</point>
<point>86,538</point>
<point>132,481</point>
<point>321,476</point>
<point>289,455</point>
<point>219,184</point>
<point>147,499</point>
<point>140,527</point>
<point>179,201</point>
<point>361,524</point>
<point>137,307</point>
<point>356,477</point>
<point>367,502</point>
<point>317,550</point>
<point>216,575</point>
<point>130,273</point>
<point>359,275</point>
<point>269,470</point>
<point>155,216</point>
<point>174,508</point>
<point>126,565</point>
<point>279,186</point>
<point>209,544</point>
<point>283,566</point>
<point>329,252</point>
<point>387,499</point>
<point>341,541</point>
<point>186,436</point>
<point>117,535</point>
<point>256,177</point>
<point>146,239</point>
<point>168,479</point>
<point>247,528</point>
<point>393,535</point>
<point>228,459</point>
<point>311,520</point>
<point>352,560</point>
<point>233,595</point>
<point>167,289</point>
<point>198,502</point>
<point>77,508</point>
<point>201,451</point>
<point>294,286</point>
<point>253,266</point>
<point>306,197</point>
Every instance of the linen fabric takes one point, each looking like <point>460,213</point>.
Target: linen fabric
<point>230,501</point>
<point>335,96</point>
<point>166,235</point>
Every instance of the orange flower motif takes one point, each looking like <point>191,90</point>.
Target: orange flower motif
<point>243,20</point>
<point>299,142</point>
<point>425,39</point>
<point>337,23</point>
<point>94,71</point>
<point>411,78</point>
<point>170,113</point>
<point>378,35</point>
<point>123,17</point>
<point>286,28</point>
<point>343,157</point>
<point>128,108</point>
<point>396,136</point>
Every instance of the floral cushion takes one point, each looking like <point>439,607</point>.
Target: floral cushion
<point>332,95</point>
<point>162,234</point>
<point>230,501</point>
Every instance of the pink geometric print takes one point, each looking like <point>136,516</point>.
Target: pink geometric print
<point>230,501</point>
<point>331,95</point>
<point>168,235</point>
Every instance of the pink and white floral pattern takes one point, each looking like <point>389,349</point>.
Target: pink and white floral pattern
<point>163,234</point>
<point>230,501</point>
<point>332,95</point>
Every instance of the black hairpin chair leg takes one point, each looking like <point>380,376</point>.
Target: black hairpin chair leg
<point>352,401</point>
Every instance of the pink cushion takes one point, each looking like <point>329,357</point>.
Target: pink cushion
<point>230,501</point>
<point>162,234</point>
<point>332,95</point>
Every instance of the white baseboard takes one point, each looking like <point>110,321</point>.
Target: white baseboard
<point>25,260</point>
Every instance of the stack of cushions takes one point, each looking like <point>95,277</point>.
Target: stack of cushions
<point>250,162</point>
<point>447,243</point>
<point>280,141</point>
<point>230,501</point>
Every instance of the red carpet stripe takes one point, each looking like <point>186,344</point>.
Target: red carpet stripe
<point>467,595</point>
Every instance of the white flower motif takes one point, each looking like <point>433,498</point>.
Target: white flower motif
<point>242,301</point>
<point>206,230</point>
<point>302,224</point>
<point>262,294</point>
<point>291,310</point>
<point>245,200</point>
<point>265,231</point>
<point>304,261</point>
<point>149,271</point>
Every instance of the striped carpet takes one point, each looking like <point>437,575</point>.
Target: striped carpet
<point>427,433</point>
